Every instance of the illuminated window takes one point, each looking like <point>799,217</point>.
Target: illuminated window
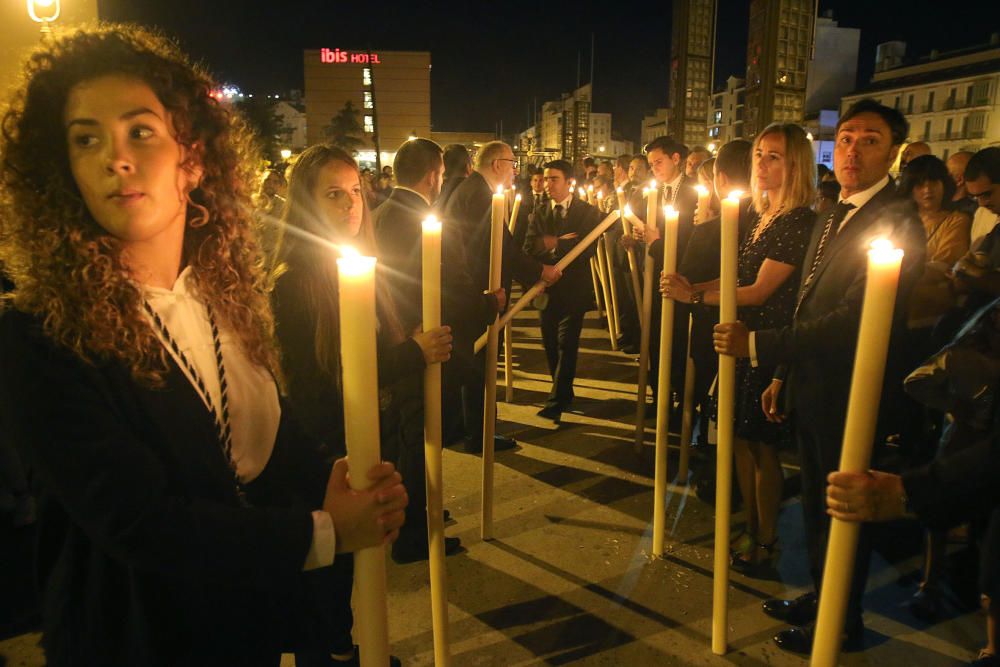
<point>369,123</point>
<point>368,100</point>
<point>366,76</point>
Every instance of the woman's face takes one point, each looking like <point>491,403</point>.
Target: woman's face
<point>769,162</point>
<point>337,195</point>
<point>928,195</point>
<point>126,161</point>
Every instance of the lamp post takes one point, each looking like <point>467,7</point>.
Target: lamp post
<point>44,12</point>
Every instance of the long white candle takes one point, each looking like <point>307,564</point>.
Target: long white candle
<point>431,303</point>
<point>670,222</point>
<point>490,398</point>
<point>537,288</point>
<point>652,196</point>
<point>612,288</point>
<point>629,219</point>
<point>359,365</point>
<point>512,224</point>
<point>727,398</point>
<point>884,264</point>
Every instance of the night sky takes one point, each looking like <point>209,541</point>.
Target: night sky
<point>491,62</point>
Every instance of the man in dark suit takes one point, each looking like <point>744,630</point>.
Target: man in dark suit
<point>556,227</point>
<point>468,213</point>
<point>419,170</point>
<point>815,353</point>
<point>533,201</point>
<point>666,162</point>
<point>457,167</point>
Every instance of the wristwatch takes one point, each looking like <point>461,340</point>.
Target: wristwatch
<point>698,296</point>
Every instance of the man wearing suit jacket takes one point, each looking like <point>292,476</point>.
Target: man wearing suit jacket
<point>556,227</point>
<point>666,162</point>
<point>532,202</point>
<point>815,353</point>
<point>457,167</point>
<point>468,213</point>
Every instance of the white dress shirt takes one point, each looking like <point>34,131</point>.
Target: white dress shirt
<point>254,410</point>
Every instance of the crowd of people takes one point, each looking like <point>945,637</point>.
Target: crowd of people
<point>172,346</point>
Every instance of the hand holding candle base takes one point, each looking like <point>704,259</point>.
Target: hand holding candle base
<point>435,344</point>
<point>865,496</point>
<point>550,274</point>
<point>368,518</point>
<point>731,338</point>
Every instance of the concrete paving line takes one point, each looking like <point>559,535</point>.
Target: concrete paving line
<point>604,385</point>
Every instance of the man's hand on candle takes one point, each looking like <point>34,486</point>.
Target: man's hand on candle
<point>732,338</point>
<point>627,241</point>
<point>501,297</point>
<point>435,344</point>
<point>550,273</point>
<point>550,241</point>
<point>769,402</point>
<point>865,496</point>
<point>676,287</point>
<point>638,232</point>
<point>568,237</point>
<point>368,518</point>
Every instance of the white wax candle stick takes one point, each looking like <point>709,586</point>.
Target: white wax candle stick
<point>490,392</point>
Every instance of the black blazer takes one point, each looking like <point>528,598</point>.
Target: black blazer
<point>685,202</point>
<point>399,234</point>
<point>469,209</point>
<point>144,554</point>
<point>818,347</point>
<point>574,292</point>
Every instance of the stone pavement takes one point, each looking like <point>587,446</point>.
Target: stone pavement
<point>569,578</point>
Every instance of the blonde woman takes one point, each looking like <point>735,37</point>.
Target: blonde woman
<point>770,266</point>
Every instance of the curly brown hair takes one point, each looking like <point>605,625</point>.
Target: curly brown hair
<point>67,269</point>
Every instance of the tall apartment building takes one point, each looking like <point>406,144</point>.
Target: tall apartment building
<point>391,90</point>
<point>692,58</point>
<point>726,113</point>
<point>779,47</point>
<point>566,124</point>
<point>951,100</point>
<point>655,125</point>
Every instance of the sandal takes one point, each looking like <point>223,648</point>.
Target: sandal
<point>985,659</point>
<point>742,546</point>
<point>764,566</point>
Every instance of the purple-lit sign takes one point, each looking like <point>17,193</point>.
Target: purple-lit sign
<point>338,56</point>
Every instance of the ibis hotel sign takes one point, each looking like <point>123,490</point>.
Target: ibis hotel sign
<point>356,57</point>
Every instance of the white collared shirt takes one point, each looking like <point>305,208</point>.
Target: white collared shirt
<point>859,199</point>
<point>564,203</point>
<point>254,410</point>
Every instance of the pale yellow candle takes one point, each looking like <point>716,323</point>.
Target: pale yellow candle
<point>359,365</point>
<point>431,302</point>
<point>605,274</point>
<point>727,398</point>
<point>628,220</point>
<point>884,262</point>
<point>670,222</point>
<point>704,200</point>
<point>582,194</point>
<point>537,288</point>
<point>490,399</point>
<point>652,196</point>
<point>597,286</point>
<point>590,194</point>
<point>512,224</point>
<point>508,364</point>
<point>612,287</point>
<point>687,414</point>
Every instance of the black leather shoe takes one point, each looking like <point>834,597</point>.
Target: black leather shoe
<point>446,516</point>
<point>630,348</point>
<point>355,660</point>
<point>551,412</point>
<point>800,611</point>
<point>799,639</point>
<point>409,553</point>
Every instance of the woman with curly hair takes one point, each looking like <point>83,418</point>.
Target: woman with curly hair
<point>326,212</point>
<point>179,507</point>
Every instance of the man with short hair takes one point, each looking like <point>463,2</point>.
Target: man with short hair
<point>982,184</point>
<point>697,155</point>
<point>638,172</point>
<point>912,152</point>
<point>468,215</point>
<point>457,167</point>
<point>815,353</point>
<point>553,232</point>
<point>961,201</point>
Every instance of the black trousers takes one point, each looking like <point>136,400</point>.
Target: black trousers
<point>561,338</point>
<point>819,455</point>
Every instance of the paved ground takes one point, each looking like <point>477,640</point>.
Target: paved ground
<point>569,578</point>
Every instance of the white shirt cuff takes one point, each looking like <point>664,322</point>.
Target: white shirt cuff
<point>753,349</point>
<point>324,542</point>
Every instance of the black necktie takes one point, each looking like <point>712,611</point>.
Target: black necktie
<point>840,212</point>
<point>559,211</point>
<point>538,200</point>
<point>668,192</point>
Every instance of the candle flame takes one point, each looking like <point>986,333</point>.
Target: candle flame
<point>352,264</point>
<point>884,252</point>
<point>582,192</point>
<point>590,188</point>
<point>620,190</point>
<point>517,197</point>
<point>600,194</point>
<point>349,252</point>
<point>431,224</point>
<point>735,195</point>
<point>500,190</point>
<point>628,210</point>
<point>669,211</point>
<point>702,190</point>
<point>652,184</point>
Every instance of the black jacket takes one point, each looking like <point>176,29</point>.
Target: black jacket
<point>144,554</point>
<point>399,234</point>
<point>818,348</point>
<point>574,292</point>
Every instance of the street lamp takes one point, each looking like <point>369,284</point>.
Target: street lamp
<point>44,12</point>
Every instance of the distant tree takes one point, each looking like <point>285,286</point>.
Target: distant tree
<point>268,128</point>
<point>344,130</point>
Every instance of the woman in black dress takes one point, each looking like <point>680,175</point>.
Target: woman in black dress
<point>770,266</point>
